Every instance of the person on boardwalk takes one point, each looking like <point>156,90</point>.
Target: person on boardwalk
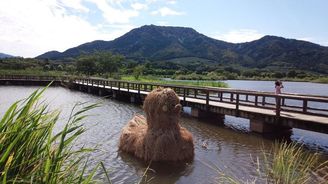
<point>278,86</point>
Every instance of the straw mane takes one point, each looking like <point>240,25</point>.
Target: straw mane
<point>158,137</point>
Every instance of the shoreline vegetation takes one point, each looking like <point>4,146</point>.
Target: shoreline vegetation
<point>192,81</point>
<point>115,66</point>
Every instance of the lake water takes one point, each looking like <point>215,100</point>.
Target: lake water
<point>231,149</point>
<point>289,87</point>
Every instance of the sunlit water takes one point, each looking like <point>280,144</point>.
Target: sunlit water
<point>230,149</point>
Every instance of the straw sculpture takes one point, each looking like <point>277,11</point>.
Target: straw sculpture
<point>158,137</point>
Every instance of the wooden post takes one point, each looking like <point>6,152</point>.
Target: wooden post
<point>256,97</point>
<point>263,100</point>
<point>278,99</point>
<point>139,88</point>
<point>128,87</point>
<point>119,86</point>
<point>221,96</point>
<point>246,97</point>
<point>237,101</point>
<point>231,97</point>
<point>184,95</point>
<point>195,92</point>
<point>305,105</point>
<point>207,100</point>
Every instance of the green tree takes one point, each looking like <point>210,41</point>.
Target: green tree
<point>108,62</point>
<point>99,62</point>
<point>138,71</point>
<point>292,74</point>
<point>86,65</point>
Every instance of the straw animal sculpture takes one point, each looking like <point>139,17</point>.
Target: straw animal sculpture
<point>158,137</point>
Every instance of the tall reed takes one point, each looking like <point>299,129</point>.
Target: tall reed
<point>30,151</point>
<point>289,163</point>
<point>286,163</point>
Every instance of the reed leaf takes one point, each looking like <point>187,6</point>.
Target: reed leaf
<point>30,153</point>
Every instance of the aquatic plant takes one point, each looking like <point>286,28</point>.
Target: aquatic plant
<point>286,163</point>
<point>30,151</point>
<point>290,163</point>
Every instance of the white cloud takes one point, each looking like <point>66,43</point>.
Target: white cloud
<point>74,4</point>
<point>114,15</point>
<point>171,1</point>
<point>238,36</point>
<point>35,26</point>
<point>139,6</point>
<point>165,11</point>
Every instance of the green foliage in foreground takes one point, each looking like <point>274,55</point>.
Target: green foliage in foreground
<point>291,164</point>
<point>152,79</point>
<point>30,152</point>
<point>286,163</point>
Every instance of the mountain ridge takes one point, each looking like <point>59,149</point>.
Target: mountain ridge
<point>158,43</point>
<point>3,55</point>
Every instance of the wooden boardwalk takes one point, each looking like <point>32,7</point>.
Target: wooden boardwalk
<point>309,112</point>
<point>290,110</point>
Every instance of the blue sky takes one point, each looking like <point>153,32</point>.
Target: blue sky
<point>32,27</point>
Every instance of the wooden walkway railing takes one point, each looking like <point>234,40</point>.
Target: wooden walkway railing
<point>305,104</point>
<point>300,103</point>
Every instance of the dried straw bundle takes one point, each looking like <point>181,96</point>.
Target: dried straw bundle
<point>158,137</point>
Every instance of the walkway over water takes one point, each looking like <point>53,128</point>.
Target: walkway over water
<point>267,112</point>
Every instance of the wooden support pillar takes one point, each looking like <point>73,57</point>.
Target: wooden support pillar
<point>259,125</point>
<point>89,89</point>
<point>208,116</point>
<point>132,99</point>
<point>100,92</point>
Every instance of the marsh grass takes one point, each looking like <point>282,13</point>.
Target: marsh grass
<point>286,163</point>
<point>290,163</point>
<point>30,151</point>
<point>154,79</point>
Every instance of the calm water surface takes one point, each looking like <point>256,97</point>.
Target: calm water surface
<point>231,148</point>
<point>289,87</point>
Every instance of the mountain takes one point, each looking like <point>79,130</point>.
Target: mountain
<point>153,43</point>
<point>160,43</point>
<point>2,55</point>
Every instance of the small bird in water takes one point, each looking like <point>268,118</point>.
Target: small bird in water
<point>205,145</point>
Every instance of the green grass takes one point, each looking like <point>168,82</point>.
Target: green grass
<point>152,79</point>
<point>286,163</point>
<point>321,80</point>
<point>34,72</point>
<point>290,163</point>
<point>30,152</point>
